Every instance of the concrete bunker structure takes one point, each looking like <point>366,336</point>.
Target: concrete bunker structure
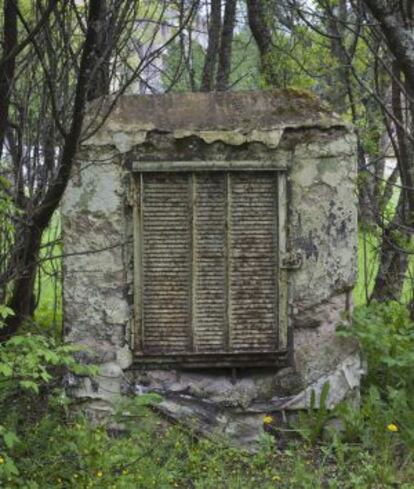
<point>211,243</point>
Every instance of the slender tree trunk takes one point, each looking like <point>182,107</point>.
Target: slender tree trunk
<point>207,80</point>
<point>99,83</point>
<point>22,301</point>
<point>340,79</point>
<point>259,26</point>
<point>224,61</point>
<point>8,66</point>
<point>397,28</point>
<point>393,261</point>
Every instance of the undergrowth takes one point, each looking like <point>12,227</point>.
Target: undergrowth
<point>43,444</point>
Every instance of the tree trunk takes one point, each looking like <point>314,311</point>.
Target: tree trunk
<point>224,62</point>
<point>8,65</point>
<point>397,28</point>
<point>22,301</point>
<point>392,271</point>
<point>340,76</point>
<point>207,81</point>
<point>256,10</point>
<point>393,264</point>
<point>99,82</point>
<point>393,260</point>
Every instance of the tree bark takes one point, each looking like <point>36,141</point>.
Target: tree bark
<point>207,80</point>
<point>397,29</point>
<point>224,61</point>
<point>10,39</point>
<point>99,82</point>
<point>393,261</point>
<point>256,10</point>
<point>340,81</point>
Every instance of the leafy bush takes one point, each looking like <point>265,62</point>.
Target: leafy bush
<point>28,378</point>
<point>386,334</point>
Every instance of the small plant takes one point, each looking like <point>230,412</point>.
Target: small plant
<point>312,422</point>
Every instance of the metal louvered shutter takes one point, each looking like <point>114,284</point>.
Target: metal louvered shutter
<point>253,251</point>
<point>166,261</point>
<point>207,268</point>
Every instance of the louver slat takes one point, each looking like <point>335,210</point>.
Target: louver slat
<point>253,248</point>
<point>166,263</point>
<point>209,231</point>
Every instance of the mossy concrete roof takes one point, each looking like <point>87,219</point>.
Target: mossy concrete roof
<point>231,117</point>
<point>203,111</point>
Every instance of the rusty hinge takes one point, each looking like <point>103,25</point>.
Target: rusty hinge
<point>291,260</point>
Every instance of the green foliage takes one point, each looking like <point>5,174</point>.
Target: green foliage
<point>368,244</point>
<point>48,287</point>
<point>183,75</point>
<point>5,312</point>
<point>52,449</point>
<point>292,52</point>
<point>8,213</point>
<point>374,445</point>
<point>311,423</point>
<point>386,334</point>
<point>28,367</point>
<point>25,362</point>
<point>180,75</point>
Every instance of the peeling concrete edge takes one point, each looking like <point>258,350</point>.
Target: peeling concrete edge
<point>125,138</point>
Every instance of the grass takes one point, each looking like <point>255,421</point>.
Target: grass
<point>368,244</point>
<point>55,453</point>
<point>48,315</point>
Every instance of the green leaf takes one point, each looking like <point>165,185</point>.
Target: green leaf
<point>10,439</point>
<point>5,311</point>
<point>6,370</point>
<point>29,385</point>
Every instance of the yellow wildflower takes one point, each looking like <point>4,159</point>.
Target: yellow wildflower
<point>276,478</point>
<point>99,473</point>
<point>392,427</point>
<point>1,460</point>
<point>267,419</point>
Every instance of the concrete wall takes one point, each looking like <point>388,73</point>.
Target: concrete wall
<point>97,227</point>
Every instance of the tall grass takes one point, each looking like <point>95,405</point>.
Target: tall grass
<point>48,290</point>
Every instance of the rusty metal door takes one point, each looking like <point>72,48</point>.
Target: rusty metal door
<point>209,288</point>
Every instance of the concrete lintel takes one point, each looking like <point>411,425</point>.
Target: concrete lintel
<point>211,165</point>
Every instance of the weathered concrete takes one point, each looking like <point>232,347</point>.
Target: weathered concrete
<point>293,131</point>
